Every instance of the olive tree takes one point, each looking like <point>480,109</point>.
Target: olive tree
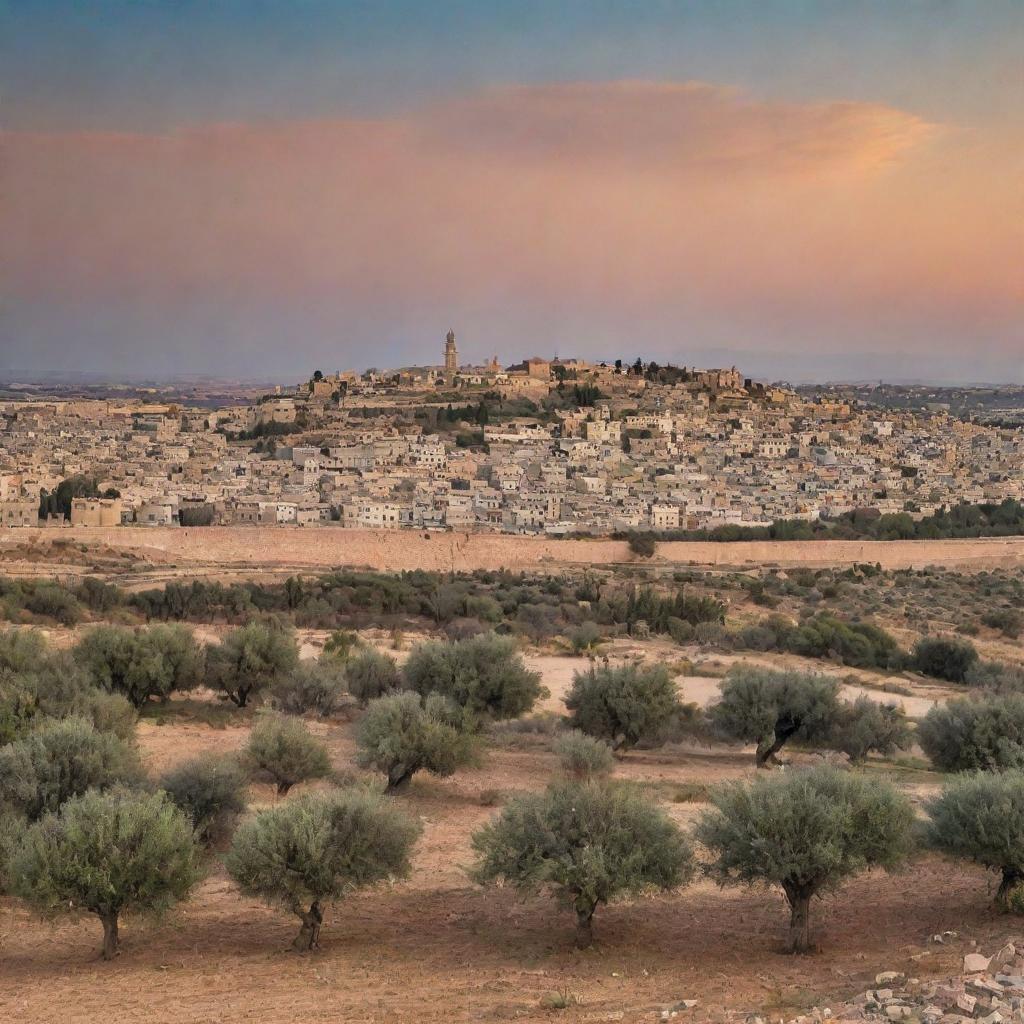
<point>54,685</point>
<point>141,663</point>
<point>107,854</point>
<point>403,733</point>
<point>485,675</point>
<point>211,790</point>
<point>320,847</point>
<point>589,843</point>
<point>622,704</point>
<point>61,760</point>
<point>867,725</point>
<point>250,659</point>
<point>284,748</point>
<point>980,817</point>
<point>972,733</point>
<point>370,674</point>
<point>312,686</point>
<point>805,831</point>
<point>771,708</point>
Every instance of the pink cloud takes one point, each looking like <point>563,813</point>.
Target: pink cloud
<point>625,195</point>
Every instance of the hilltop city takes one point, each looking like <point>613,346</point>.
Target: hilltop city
<point>550,446</point>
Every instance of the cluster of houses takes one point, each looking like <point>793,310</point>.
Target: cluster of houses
<point>545,446</point>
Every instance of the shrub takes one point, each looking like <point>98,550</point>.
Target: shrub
<point>944,658</point>
<point>140,664</point>
<point>250,659</point>
<point>589,843</point>
<point>980,817</point>
<point>312,686</point>
<point>1009,621</point>
<point>771,708</point>
<point>805,831</point>
<point>283,748</point>
<point>22,650</point>
<point>107,853</point>
<point>680,630</point>
<point>867,725</point>
<point>317,848</point>
<point>585,637</point>
<point>341,643</point>
<point>967,734</point>
<point>485,676</point>
<point>643,545</point>
<point>211,791</point>
<point>622,704</point>
<point>584,757</point>
<point>403,733</point>
<point>995,676</point>
<point>370,675</point>
<point>61,760</point>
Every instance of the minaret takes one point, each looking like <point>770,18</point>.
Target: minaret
<point>451,355</point>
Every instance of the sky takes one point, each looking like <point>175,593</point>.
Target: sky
<point>254,188</point>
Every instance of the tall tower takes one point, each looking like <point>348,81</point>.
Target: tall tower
<point>451,355</point>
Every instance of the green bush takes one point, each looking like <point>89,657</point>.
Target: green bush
<point>622,704</point>
<point>944,658</point>
<point>107,853</point>
<point>250,659</point>
<point>805,831</point>
<point>320,847</point>
<point>867,725</point>
<point>584,757</point>
<point>772,708</point>
<point>312,686</point>
<point>211,790</point>
<point>141,664</point>
<point>370,675</point>
<point>975,733</point>
<point>403,733</point>
<point>585,637</point>
<point>643,545</point>
<point>283,748</point>
<point>589,843</point>
<point>61,760</point>
<point>980,817</point>
<point>485,676</point>
<point>341,643</point>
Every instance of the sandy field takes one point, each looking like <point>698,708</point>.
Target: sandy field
<point>270,549</point>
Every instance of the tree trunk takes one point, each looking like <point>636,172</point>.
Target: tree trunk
<point>110,936</point>
<point>766,750</point>
<point>398,779</point>
<point>1010,880</point>
<point>309,934</point>
<point>800,922</point>
<point>584,928</point>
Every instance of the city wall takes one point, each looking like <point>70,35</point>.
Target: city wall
<point>391,550</point>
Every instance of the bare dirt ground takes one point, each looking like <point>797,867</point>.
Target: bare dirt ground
<point>435,948</point>
<point>160,553</point>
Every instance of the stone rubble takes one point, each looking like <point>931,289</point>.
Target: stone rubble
<point>989,991</point>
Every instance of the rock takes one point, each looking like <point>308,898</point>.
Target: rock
<point>684,1004</point>
<point>897,1011</point>
<point>975,962</point>
<point>1005,955</point>
<point>887,977</point>
<point>966,1002</point>
<point>882,994</point>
